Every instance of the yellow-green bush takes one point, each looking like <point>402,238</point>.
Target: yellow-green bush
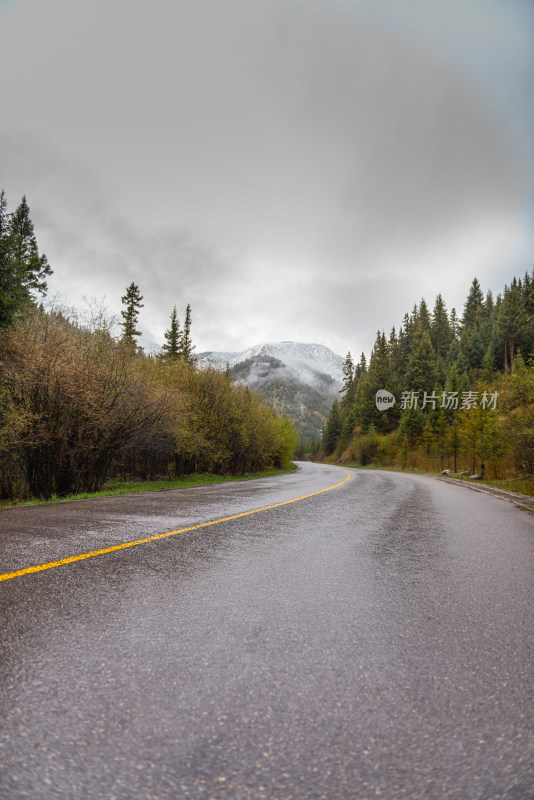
<point>78,406</point>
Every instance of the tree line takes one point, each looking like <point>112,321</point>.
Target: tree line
<point>463,389</point>
<point>80,405</point>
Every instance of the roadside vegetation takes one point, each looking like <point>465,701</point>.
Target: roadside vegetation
<point>81,405</point>
<point>463,388</point>
<point>116,487</point>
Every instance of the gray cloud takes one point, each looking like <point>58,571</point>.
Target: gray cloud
<point>294,170</point>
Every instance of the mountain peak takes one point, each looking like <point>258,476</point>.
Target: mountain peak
<point>305,359</point>
<point>299,380</point>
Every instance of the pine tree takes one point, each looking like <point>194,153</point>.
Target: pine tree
<point>528,294</point>
<point>132,302</point>
<point>380,370</point>
<point>488,365</point>
<point>349,425</point>
<point>423,316</point>
<point>455,325</point>
<point>332,430</point>
<point>360,369</point>
<point>347,390</point>
<point>171,348</point>
<point>380,375</point>
<point>454,442</point>
<point>23,271</point>
<point>8,295</point>
<point>473,336</point>
<point>474,306</point>
<point>406,334</point>
<point>394,350</point>
<point>31,267</point>
<point>412,425</point>
<point>488,322</point>
<point>421,373</point>
<point>472,346</point>
<point>526,339</point>
<point>186,345</point>
<point>360,377</point>
<point>440,331</point>
<point>511,320</point>
<point>489,305</point>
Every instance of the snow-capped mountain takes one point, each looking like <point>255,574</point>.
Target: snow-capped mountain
<point>313,364</point>
<point>299,380</point>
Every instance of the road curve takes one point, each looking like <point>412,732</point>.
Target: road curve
<point>372,640</point>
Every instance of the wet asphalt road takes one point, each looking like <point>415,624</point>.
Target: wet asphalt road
<point>372,641</point>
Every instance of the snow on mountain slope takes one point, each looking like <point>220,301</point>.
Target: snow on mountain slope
<point>311,364</point>
<point>299,380</point>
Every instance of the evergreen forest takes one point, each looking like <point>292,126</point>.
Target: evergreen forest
<point>463,389</point>
<point>81,404</point>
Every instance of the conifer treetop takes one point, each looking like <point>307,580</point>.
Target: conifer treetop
<point>132,302</point>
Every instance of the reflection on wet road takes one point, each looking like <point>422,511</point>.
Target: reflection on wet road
<point>374,640</point>
<point>62,562</point>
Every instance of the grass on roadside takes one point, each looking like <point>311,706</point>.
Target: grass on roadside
<point>115,487</point>
<point>523,484</point>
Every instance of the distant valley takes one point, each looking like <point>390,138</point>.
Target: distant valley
<point>299,380</point>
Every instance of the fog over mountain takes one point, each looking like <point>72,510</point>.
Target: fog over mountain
<point>299,380</point>
<point>312,364</point>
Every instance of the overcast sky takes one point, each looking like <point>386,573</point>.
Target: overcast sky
<point>295,169</point>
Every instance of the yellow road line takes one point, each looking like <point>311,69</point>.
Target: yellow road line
<point>40,567</point>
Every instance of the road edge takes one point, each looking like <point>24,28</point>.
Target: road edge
<point>523,501</point>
